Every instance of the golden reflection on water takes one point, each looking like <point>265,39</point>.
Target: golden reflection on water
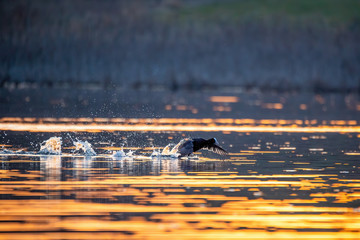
<point>70,198</point>
<point>175,124</point>
<point>224,99</point>
<point>311,191</point>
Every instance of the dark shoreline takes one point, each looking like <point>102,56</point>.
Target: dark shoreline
<point>150,44</point>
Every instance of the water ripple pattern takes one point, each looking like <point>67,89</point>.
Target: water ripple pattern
<point>292,172</point>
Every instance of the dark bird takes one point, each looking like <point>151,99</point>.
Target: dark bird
<point>187,146</point>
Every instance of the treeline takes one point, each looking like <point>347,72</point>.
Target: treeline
<point>150,44</point>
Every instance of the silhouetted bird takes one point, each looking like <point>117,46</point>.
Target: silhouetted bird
<point>188,146</point>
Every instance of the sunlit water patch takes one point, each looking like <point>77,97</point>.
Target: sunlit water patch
<point>175,124</point>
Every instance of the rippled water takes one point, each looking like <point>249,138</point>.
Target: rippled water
<point>292,170</point>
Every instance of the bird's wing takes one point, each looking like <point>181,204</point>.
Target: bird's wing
<point>187,148</point>
<point>188,145</point>
<point>217,149</point>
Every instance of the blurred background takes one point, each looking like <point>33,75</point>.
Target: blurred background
<point>281,45</point>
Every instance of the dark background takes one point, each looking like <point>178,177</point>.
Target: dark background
<point>202,44</point>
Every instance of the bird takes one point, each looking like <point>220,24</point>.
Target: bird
<point>187,146</point>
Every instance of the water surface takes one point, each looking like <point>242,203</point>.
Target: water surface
<point>292,169</point>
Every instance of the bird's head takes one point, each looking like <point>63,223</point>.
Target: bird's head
<point>214,141</point>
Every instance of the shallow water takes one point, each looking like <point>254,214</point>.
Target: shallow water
<point>292,169</point>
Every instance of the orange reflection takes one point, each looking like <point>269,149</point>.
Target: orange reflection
<point>175,124</point>
<point>177,206</point>
<point>224,99</point>
<point>272,105</point>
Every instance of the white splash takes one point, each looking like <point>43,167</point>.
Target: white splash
<point>155,153</point>
<point>52,146</point>
<point>167,149</point>
<point>85,146</point>
<point>130,153</point>
<point>6,151</point>
<point>21,151</point>
<point>174,151</point>
<point>122,154</point>
<point>170,151</point>
<point>119,154</point>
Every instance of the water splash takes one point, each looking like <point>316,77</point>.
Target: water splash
<point>85,146</point>
<point>21,151</point>
<point>155,153</point>
<point>167,149</point>
<point>175,149</point>
<point>6,151</point>
<point>130,153</point>
<point>52,146</point>
<point>119,154</point>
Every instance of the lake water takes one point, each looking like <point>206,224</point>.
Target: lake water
<point>293,169</point>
